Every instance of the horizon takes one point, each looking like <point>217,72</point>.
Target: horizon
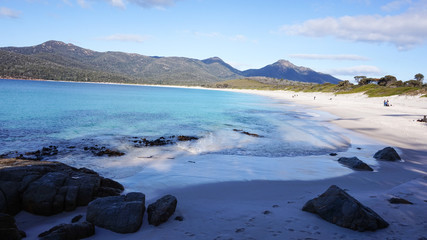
<point>345,39</point>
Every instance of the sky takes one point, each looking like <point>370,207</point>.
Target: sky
<point>344,38</point>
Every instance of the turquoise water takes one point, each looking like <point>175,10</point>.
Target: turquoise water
<point>37,114</point>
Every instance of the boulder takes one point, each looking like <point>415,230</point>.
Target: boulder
<point>121,214</point>
<point>69,232</point>
<point>160,211</point>
<point>355,163</point>
<point>387,154</point>
<point>338,207</point>
<point>47,188</point>
<point>8,228</point>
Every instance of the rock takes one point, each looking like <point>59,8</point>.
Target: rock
<point>8,228</point>
<point>387,154</point>
<point>34,155</point>
<point>247,133</point>
<point>69,231</point>
<point>399,201</point>
<point>160,211</point>
<point>338,207</point>
<point>76,218</point>
<point>101,151</point>
<point>122,214</point>
<point>187,138</point>
<point>333,154</point>
<point>47,188</point>
<point>355,163</point>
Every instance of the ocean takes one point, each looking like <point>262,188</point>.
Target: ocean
<point>235,136</point>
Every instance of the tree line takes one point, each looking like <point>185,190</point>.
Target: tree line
<point>390,81</point>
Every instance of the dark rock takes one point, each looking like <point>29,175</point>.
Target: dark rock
<point>333,154</point>
<point>187,138</point>
<point>8,228</point>
<point>76,218</point>
<point>47,188</point>
<point>355,163</point>
<point>387,154</point>
<point>69,231</point>
<point>34,155</point>
<point>338,207</point>
<point>179,218</point>
<point>399,201</point>
<point>247,133</point>
<point>160,211</point>
<point>122,214</point>
<point>101,151</point>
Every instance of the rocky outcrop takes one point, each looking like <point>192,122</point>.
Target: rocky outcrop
<point>8,228</point>
<point>34,155</point>
<point>121,214</point>
<point>338,207</point>
<point>69,232</point>
<point>387,154</point>
<point>355,163</point>
<point>160,211</point>
<point>47,188</point>
<point>101,151</point>
<point>161,141</point>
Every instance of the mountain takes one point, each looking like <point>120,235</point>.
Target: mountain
<point>285,68</point>
<point>64,61</point>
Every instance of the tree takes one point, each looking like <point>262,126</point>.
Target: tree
<point>358,78</point>
<point>419,77</point>
<point>387,80</point>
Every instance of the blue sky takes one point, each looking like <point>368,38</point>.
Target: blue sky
<point>340,37</point>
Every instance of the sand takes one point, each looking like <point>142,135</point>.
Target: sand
<point>272,209</point>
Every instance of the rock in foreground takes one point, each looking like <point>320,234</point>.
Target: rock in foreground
<point>8,228</point>
<point>121,214</point>
<point>338,207</point>
<point>355,163</point>
<point>69,232</point>
<point>47,188</point>
<point>160,211</point>
<point>387,154</point>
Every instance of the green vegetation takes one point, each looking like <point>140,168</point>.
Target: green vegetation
<point>382,87</point>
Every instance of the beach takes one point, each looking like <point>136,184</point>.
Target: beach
<point>265,209</point>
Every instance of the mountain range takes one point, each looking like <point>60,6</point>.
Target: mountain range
<point>57,60</point>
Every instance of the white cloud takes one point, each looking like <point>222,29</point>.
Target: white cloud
<point>7,12</point>
<point>83,3</point>
<point>126,38</point>
<point>154,3</point>
<point>348,57</point>
<point>117,3</point>
<point>405,30</point>
<point>395,5</point>
<point>362,70</point>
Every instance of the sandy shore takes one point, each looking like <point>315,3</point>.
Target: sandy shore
<point>272,209</point>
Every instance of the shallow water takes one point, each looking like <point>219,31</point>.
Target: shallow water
<point>72,116</point>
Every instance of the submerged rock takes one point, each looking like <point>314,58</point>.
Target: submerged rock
<point>101,151</point>
<point>247,133</point>
<point>387,154</point>
<point>355,163</point>
<point>161,210</point>
<point>399,201</point>
<point>338,207</point>
<point>74,231</point>
<point>47,188</point>
<point>122,214</point>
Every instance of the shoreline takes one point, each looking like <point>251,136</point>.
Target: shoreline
<point>268,209</point>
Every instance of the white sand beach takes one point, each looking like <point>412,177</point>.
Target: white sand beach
<point>265,209</point>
